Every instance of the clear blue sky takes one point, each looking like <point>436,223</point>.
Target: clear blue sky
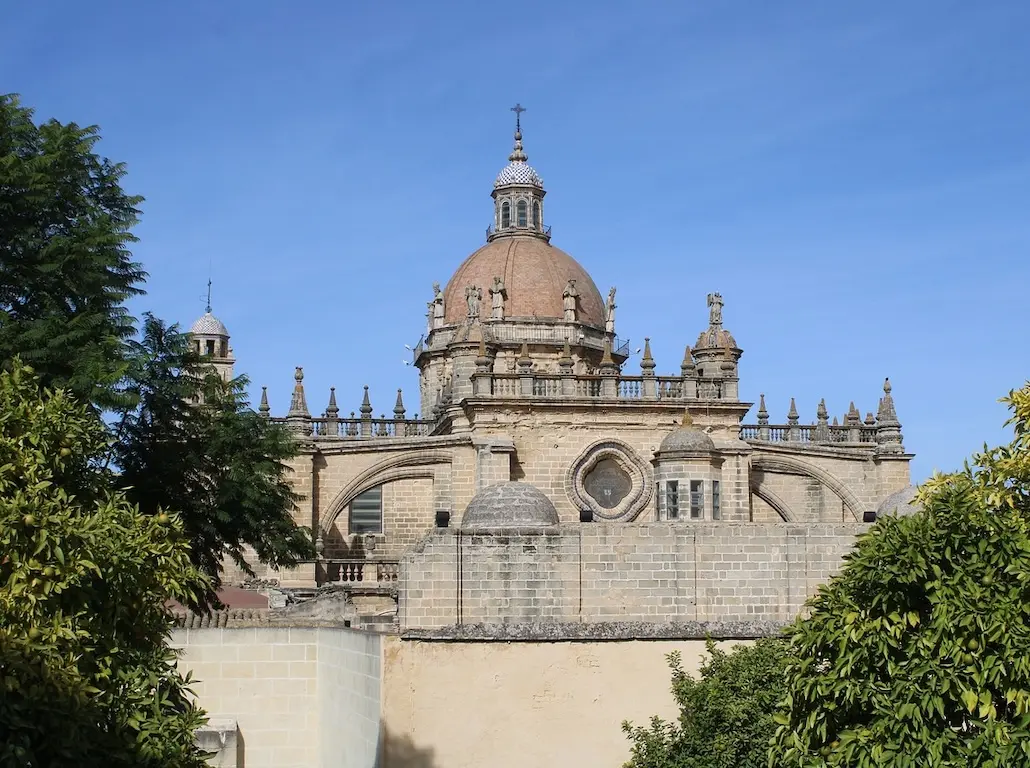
<point>853,177</point>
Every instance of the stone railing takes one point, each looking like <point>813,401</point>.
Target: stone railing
<point>367,572</point>
<point>809,433</point>
<point>512,332</point>
<point>323,427</point>
<point>537,385</point>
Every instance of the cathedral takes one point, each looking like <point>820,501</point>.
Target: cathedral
<point>543,497</point>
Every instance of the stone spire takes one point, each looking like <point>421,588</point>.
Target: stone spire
<point>822,428</point>
<point>366,405</point>
<point>298,418</point>
<point>888,429</point>
<point>647,363</point>
<point>264,410</point>
<point>525,362</point>
<point>298,403</point>
<point>763,413</point>
<point>687,366</point>
<point>332,416</point>
<point>792,414</point>
<point>398,407</point>
<point>853,418</point>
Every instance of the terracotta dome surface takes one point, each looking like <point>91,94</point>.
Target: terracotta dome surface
<point>534,274</point>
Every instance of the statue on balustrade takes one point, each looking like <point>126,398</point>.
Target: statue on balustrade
<point>437,303</point>
<point>715,309</point>
<point>498,294</point>
<point>473,295</point>
<point>569,297</point>
<point>609,312</point>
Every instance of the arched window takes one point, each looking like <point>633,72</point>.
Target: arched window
<point>366,512</point>
<point>505,215</point>
<point>523,213</point>
<point>211,347</point>
<point>536,215</point>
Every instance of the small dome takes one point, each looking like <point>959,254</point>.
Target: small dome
<point>687,440</point>
<point>518,172</point>
<point>209,325</point>
<point>900,503</point>
<point>509,505</point>
<point>716,338</point>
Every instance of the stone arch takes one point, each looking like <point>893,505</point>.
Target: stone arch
<point>800,466</point>
<point>404,467</point>
<point>779,505</point>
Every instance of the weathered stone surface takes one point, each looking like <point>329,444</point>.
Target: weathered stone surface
<point>509,505</point>
<point>600,631</point>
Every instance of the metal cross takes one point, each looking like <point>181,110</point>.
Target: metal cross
<point>518,109</point>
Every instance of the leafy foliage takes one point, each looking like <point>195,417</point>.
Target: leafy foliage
<point>191,443</point>
<point>85,676</point>
<point>918,652</point>
<point>725,716</point>
<point>65,268</point>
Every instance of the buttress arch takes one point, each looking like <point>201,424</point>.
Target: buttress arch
<point>802,467</point>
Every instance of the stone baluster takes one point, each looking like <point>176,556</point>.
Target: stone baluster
<point>525,366</point>
<point>366,415</point>
<point>647,366</point>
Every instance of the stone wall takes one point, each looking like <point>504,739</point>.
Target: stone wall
<point>658,572</point>
<point>302,697</point>
<point>512,705</point>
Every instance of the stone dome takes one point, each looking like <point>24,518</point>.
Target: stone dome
<point>209,325</point>
<point>518,172</point>
<point>534,274</point>
<point>687,440</point>
<point>716,338</point>
<point>509,505</point>
<point>900,503</point>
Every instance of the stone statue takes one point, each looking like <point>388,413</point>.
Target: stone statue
<point>437,303</point>
<point>715,311</point>
<point>473,295</point>
<point>430,305</point>
<point>609,313</point>
<point>569,297</point>
<point>498,294</point>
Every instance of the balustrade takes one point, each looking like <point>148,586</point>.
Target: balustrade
<point>370,572</point>
<point>803,433</point>
<point>355,428</point>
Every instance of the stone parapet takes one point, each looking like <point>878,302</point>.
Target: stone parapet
<point>658,573</point>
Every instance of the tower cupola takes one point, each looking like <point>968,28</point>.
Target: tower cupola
<point>518,193</point>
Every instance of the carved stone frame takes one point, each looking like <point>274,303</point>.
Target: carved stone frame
<point>640,473</point>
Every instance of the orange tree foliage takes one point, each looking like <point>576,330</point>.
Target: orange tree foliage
<point>918,652</point>
<point>86,677</point>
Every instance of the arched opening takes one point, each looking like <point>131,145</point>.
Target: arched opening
<point>536,215</point>
<point>505,215</point>
<point>522,212</point>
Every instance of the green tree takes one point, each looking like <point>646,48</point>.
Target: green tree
<point>86,678</point>
<point>918,652</point>
<point>726,715</point>
<point>65,268</point>
<point>192,443</point>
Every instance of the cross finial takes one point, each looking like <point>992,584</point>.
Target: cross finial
<point>518,109</point>
<point>209,295</point>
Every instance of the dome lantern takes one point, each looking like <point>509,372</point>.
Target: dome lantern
<point>518,194</point>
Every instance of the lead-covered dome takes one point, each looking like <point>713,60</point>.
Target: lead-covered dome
<point>509,505</point>
<point>687,440</point>
<point>535,274</point>
<point>209,325</point>
<point>900,503</point>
